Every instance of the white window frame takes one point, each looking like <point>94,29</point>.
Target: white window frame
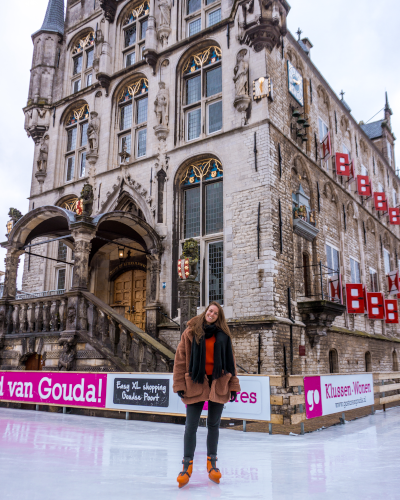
<point>386,255</point>
<point>352,259</point>
<point>321,121</point>
<point>77,152</point>
<point>58,269</point>
<point>85,70</point>
<point>331,272</point>
<point>208,104</point>
<point>371,272</point>
<point>138,45</point>
<point>346,151</point>
<point>203,13</point>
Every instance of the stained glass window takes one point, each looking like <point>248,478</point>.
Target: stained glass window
<point>216,272</point>
<point>192,213</point>
<point>214,208</point>
<point>193,89</point>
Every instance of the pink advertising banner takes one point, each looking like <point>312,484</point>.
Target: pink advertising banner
<point>61,388</point>
<point>328,394</point>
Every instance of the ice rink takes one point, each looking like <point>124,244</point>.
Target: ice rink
<point>54,456</point>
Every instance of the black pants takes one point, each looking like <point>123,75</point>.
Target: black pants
<point>193,413</point>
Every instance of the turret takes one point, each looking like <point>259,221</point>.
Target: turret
<point>46,57</point>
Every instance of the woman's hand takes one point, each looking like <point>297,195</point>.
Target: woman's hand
<point>181,394</point>
<point>233,396</point>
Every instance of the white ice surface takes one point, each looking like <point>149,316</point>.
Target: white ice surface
<point>47,456</point>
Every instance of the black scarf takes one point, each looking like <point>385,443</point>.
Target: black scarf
<point>223,355</point>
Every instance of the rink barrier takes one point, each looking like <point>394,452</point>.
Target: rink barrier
<point>380,387</point>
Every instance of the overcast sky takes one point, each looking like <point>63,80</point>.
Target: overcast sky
<point>356,48</point>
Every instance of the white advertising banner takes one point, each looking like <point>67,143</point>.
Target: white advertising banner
<point>142,392</point>
<point>330,394</point>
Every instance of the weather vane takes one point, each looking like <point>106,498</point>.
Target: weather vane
<point>342,94</point>
<point>299,32</point>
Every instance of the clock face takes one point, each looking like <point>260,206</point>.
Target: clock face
<point>295,81</point>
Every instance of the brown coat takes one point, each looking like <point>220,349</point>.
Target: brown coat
<point>220,391</point>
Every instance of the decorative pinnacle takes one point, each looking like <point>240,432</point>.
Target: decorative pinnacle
<point>342,94</point>
<point>299,33</point>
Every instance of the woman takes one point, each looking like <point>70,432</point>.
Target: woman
<point>204,370</point>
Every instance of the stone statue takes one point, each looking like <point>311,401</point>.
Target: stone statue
<point>303,212</point>
<point>87,199</point>
<point>14,215</point>
<point>67,357</point>
<point>43,154</point>
<point>161,105</point>
<point>191,252</point>
<point>93,132</point>
<point>241,77</point>
<point>165,12</point>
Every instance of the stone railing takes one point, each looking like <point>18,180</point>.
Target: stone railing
<point>47,293</point>
<point>82,317</point>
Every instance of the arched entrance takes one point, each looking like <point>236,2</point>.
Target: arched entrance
<point>130,296</point>
<point>34,362</point>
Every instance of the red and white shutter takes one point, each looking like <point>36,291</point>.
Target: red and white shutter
<point>393,282</point>
<point>375,305</point>
<point>363,185</point>
<point>380,202</point>
<point>342,164</point>
<point>391,311</point>
<point>355,299</point>
<point>394,216</point>
<point>352,177</point>
<point>335,285</point>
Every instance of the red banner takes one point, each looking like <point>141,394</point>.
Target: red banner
<point>326,147</point>
<point>375,305</point>
<point>363,185</point>
<point>391,311</point>
<point>380,202</point>
<point>393,282</point>
<point>183,268</point>
<point>342,164</point>
<point>394,216</point>
<point>355,298</point>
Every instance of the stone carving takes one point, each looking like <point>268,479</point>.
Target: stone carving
<point>164,28</point>
<point>87,198</point>
<point>14,215</point>
<point>71,315</point>
<point>191,252</point>
<point>67,356</point>
<point>241,80</point>
<point>43,154</point>
<point>161,105</point>
<point>124,155</point>
<point>93,131</point>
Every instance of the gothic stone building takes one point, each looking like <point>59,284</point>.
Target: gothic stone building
<point>194,119</point>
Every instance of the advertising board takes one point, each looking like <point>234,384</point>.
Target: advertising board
<point>325,395</point>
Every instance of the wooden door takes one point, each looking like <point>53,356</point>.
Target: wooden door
<point>130,292</point>
<point>34,362</point>
<point>138,316</point>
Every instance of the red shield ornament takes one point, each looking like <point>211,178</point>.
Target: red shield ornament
<point>355,300</point>
<point>391,311</point>
<point>363,185</point>
<point>375,303</point>
<point>380,202</point>
<point>393,282</point>
<point>394,216</point>
<point>183,268</point>
<point>326,147</point>
<point>342,164</point>
<point>79,207</point>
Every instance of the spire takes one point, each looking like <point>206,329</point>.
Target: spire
<point>54,18</point>
<point>386,101</point>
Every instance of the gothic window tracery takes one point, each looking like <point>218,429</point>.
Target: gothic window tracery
<point>134,26</point>
<point>201,194</point>
<point>202,93</point>
<point>133,104</point>
<point>82,63</point>
<point>77,139</point>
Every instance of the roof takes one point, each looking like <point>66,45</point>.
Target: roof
<point>303,46</point>
<point>346,105</point>
<point>54,18</point>
<point>374,129</point>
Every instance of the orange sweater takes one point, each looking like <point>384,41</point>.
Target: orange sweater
<point>210,355</point>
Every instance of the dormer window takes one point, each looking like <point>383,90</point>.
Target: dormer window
<point>82,63</point>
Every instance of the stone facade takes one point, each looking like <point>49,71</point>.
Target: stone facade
<point>263,159</point>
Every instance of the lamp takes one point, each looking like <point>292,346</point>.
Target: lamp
<point>121,253</point>
<point>9,225</point>
<point>296,113</point>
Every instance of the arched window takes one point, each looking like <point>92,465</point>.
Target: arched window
<point>368,362</point>
<point>134,33</point>
<point>76,127</point>
<point>395,362</point>
<point>132,104</point>
<point>202,219</point>
<point>333,361</point>
<point>200,15</point>
<point>82,59</point>
<point>202,93</point>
